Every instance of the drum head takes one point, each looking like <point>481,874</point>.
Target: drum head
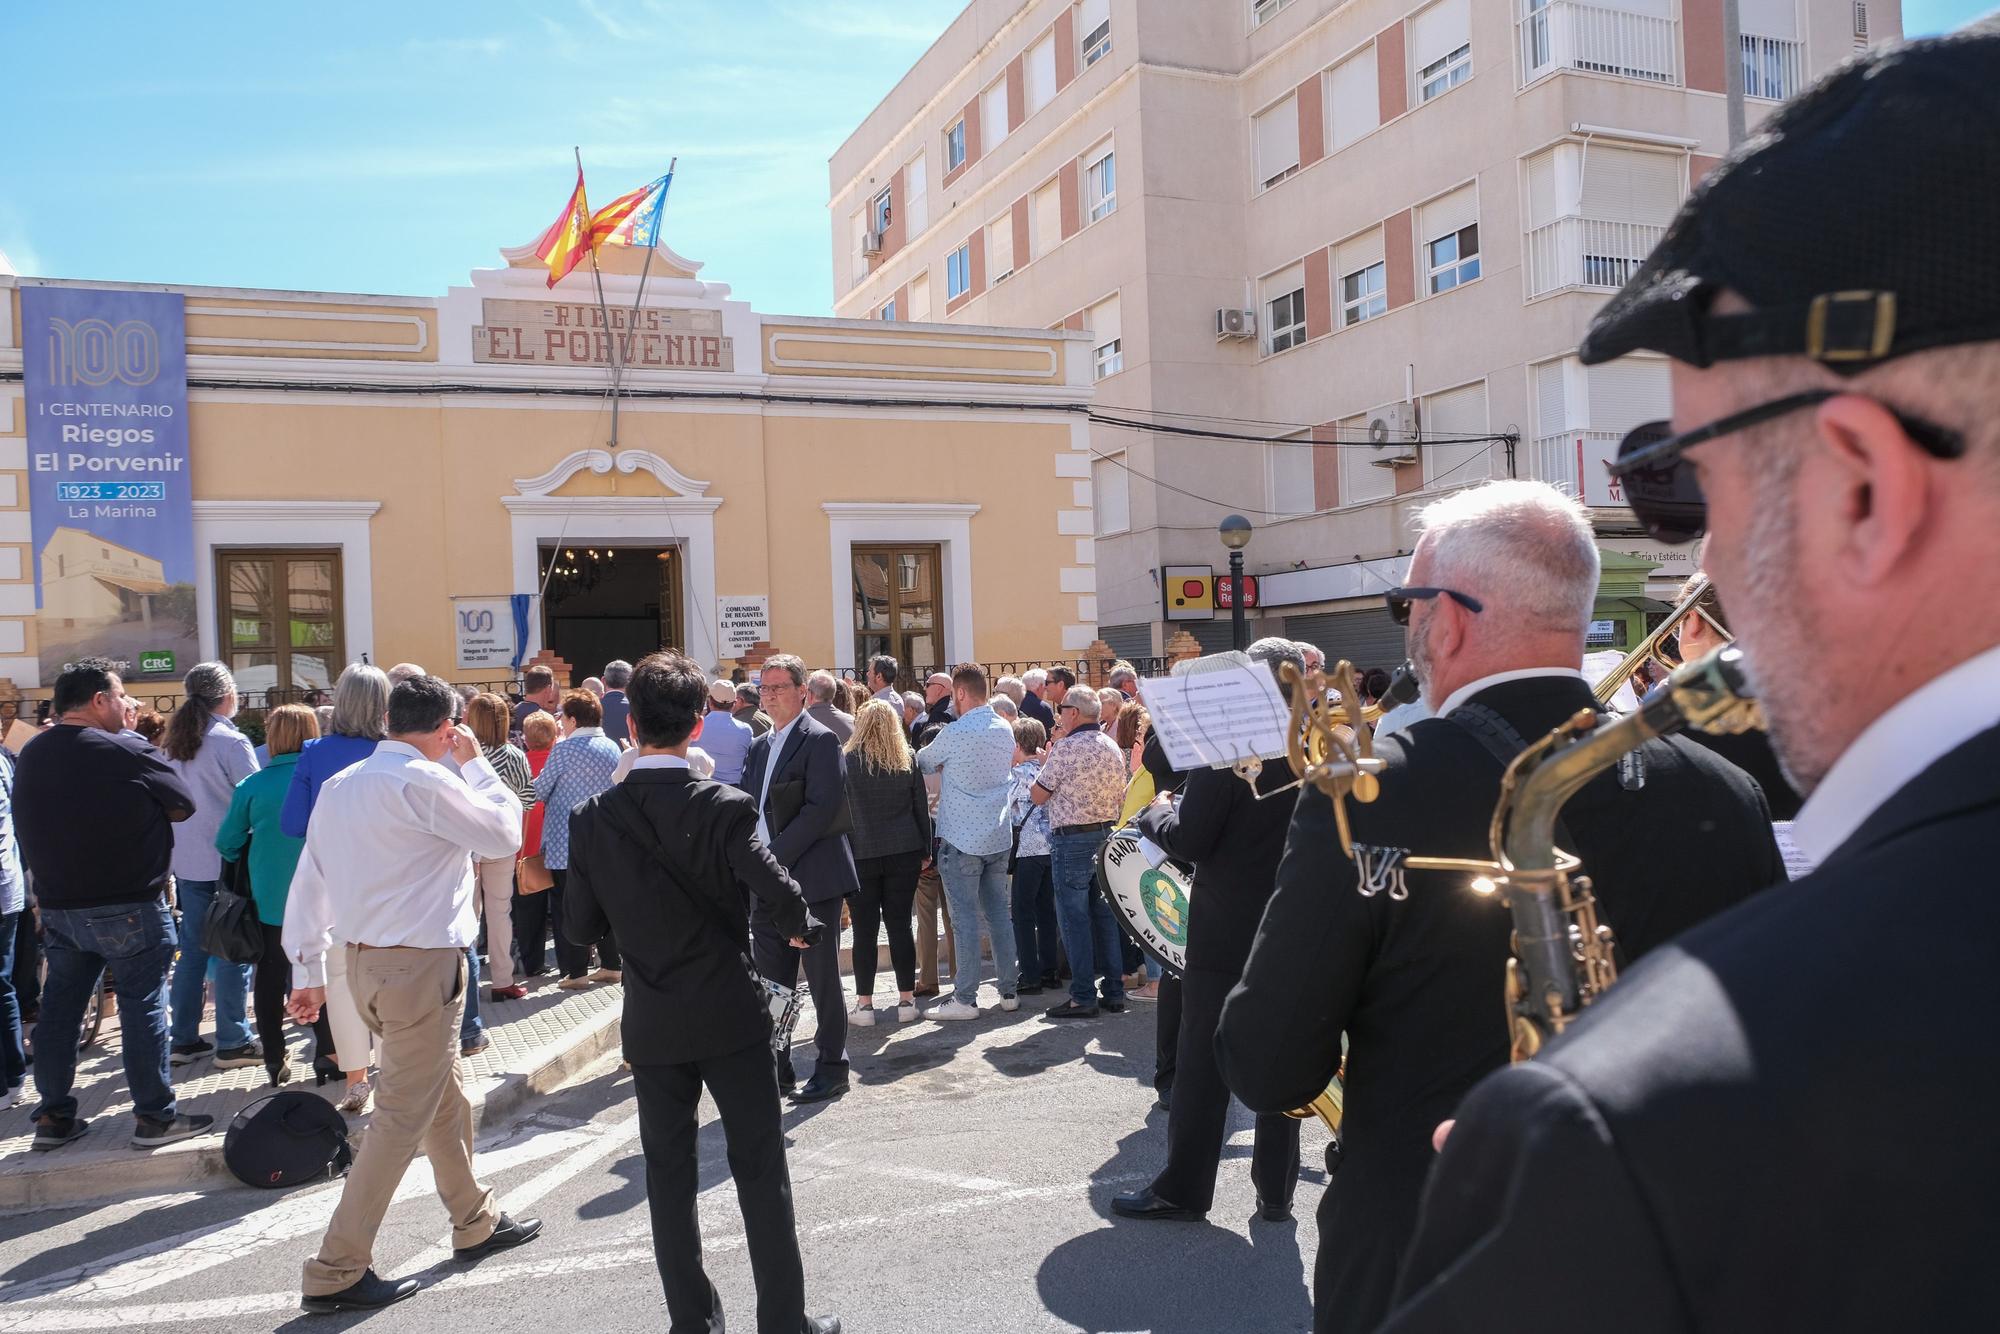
<point>1150,902</point>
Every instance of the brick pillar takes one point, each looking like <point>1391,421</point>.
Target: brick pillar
<point>547,658</point>
<point>1097,660</point>
<point>1182,647</point>
<point>753,657</point>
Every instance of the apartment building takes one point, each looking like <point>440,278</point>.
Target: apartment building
<point>1333,258</point>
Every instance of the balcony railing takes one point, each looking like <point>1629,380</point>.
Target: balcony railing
<point>1586,252</point>
<point>1558,34</point>
<point>1555,459</point>
<point>1773,68</point>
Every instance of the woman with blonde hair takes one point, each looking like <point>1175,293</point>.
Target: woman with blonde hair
<point>489,716</point>
<point>254,811</point>
<point>891,839</point>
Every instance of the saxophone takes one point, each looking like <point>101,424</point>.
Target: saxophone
<point>1562,952</point>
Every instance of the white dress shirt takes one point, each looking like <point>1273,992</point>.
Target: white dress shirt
<point>1924,726</point>
<point>388,856</point>
<point>661,762</point>
<point>778,736</point>
<point>1471,688</point>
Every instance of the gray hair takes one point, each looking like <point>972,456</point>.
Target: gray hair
<point>617,674</point>
<point>404,671</point>
<point>1275,653</point>
<point>746,694</point>
<point>1034,679</point>
<point>1122,671</point>
<point>1005,706</point>
<point>912,700</point>
<point>325,715</point>
<point>1523,548</point>
<point>790,665</point>
<point>1011,687</point>
<point>1084,700</point>
<point>361,702</point>
<point>820,685</point>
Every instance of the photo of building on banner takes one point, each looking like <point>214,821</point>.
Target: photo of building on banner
<point>108,487</point>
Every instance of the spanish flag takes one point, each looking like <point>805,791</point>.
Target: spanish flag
<point>568,238</point>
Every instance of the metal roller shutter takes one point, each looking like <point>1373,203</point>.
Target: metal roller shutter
<point>1365,638</point>
<point>1128,641</point>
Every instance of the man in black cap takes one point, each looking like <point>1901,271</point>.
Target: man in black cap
<point>1783,1120</point>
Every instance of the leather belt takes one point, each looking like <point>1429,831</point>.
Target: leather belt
<point>1082,828</point>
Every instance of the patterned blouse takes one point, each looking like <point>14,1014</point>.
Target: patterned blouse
<point>1021,808</point>
<point>580,766</point>
<point>1086,775</point>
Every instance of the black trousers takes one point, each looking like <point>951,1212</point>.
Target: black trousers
<point>1198,1120</point>
<point>777,960</point>
<point>573,957</point>
<point>531,932</point>
<point>888,892</point>
<point>1167,1036</point>
<point>269,987</point>
<point>746,1097</point>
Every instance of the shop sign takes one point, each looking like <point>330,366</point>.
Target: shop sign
<point>1188,592</point>
<point>1225,592</point>
<point>569,333</point>
<point>111,505</point>
<point>483,629</point>
<point>746,622</point>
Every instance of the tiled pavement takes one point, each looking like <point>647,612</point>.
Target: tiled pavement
<point>535,1043</point>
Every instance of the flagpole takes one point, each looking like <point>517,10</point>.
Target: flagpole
<point>610,334</point>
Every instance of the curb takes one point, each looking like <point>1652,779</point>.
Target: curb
<point>197,1164</point>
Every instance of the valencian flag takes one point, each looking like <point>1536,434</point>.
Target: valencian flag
<point>632,219</point>
<point>569,237</point>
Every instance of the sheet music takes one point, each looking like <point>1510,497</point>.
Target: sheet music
<point>1797,863</point>
<point>1217,711</point>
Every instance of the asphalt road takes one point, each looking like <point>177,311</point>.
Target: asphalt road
<point>964,1185</point>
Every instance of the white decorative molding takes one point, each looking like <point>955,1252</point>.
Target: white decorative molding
<point>777,336</point>
<point>221,524</point>
<point>14,455</point>
<point>600,461</point>
<point>1077,578</point>
<point>1075,523</point>
<point>17,600</point>
<point>1072,465</point>
<point>14,527</point>
<point>307,344</point>
<point>690,267</point>
<point>10,562</point>
<point>852,522</point>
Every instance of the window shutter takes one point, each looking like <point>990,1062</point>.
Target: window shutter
<point>1111,494</point>
<point>1000,248</point>
<point>1290,469</point>
<point>1291,280</point>
<point>1091,13</point>
<point>1041,74</point>
<point>1357,253</point>
<point>1770,18</point>
<point>1047,218</point>
<point>1102,321</point>
<point>1457,412</point>
<point>916,194</point>
<point>1352,98</point>
<point>920,297</point>
<point>1545,201</point>
<point>1439,31</point>
<point>1442,217</point>
<point>1277,139</point>
<point>1551,410</point>
<point>993,115</point>
<point>1625,185</point>
<point>1629,391</point>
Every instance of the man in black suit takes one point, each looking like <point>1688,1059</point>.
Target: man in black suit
<point>1783,1121</point>
<point>668,860</point>
<point>799,779</point>
<point>1233,836</point>
<point>1411,965</point>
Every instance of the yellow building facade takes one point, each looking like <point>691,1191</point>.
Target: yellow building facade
<point>383,475</point>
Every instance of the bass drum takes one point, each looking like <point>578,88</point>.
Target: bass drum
<point>1150,899</point>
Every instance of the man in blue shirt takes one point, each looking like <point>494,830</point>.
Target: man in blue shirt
<point>724,737</point>
<point>975,757</point>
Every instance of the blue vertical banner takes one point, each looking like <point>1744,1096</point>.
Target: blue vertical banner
<point>111,500</point>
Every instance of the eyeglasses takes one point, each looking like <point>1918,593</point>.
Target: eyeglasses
<point>1399,600</point>
<point>1663,491</point>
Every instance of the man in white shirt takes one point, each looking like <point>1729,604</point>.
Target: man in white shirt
<point>388,866</point>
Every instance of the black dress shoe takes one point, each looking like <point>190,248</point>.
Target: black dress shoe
<point>1273,1213</point>
<point>1145,1204</point>
<point>506,1233</point>
<point>367,1293</point>
<point>1029,989</point>
<point>822,1088</point>
<point>1069,1009</point>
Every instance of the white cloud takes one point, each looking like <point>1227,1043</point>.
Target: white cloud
<point>488,47</point>
<point>613,27</point>
<point>865,21</point>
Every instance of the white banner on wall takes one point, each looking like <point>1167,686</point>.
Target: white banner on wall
<point>483,629</point>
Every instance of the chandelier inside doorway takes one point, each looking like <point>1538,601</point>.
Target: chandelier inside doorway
<point>567,571</point>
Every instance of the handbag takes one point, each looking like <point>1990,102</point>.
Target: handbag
<point>534,875</point>
<point>285,1139</point>
<point>231,931</point>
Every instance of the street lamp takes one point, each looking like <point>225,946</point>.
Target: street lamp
<point>1235,532</point>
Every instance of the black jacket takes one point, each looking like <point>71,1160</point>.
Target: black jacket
<point>95,811</point>
<point>1234,840</point>
<point>821,862</point>
<point>891,810</point>
<point>689,995</point>
<point>1416,983</point>
<point>1781,1122</point>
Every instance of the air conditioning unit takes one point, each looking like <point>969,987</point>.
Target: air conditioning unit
<point>871,243</point>
<point>1393,433</point>
<point>1860,18</point>
<point>1233,323</point>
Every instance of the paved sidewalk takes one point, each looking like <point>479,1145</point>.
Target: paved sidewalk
<point>535,1044</point>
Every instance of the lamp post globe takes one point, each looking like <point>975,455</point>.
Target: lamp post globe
<point>1235,533</point>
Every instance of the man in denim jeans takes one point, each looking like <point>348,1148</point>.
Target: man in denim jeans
<point>95,814</point>
<point>1082,783</point>
<point>974,756</point>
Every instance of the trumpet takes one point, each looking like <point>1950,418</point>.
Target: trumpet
<point>1652,649</point>
<point>1563,956</point>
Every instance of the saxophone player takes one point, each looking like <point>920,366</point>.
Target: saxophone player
<point>1783,1122</point>
<point>1410,964</point>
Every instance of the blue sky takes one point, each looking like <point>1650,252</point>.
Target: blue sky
<point>390,148</point>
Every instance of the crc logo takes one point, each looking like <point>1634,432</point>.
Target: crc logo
<point>96,352</point>
<point>477,621</point>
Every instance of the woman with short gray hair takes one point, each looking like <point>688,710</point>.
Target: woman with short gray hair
<point>212,757</point>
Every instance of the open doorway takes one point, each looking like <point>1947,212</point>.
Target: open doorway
<point>609,602</point>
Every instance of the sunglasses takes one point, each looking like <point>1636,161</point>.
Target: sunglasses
<point>1399,600</point>
<point>1663,491</point>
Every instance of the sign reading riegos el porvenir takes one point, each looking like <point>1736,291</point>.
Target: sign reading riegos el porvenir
<point>567,333</point>
<point>108,487</point>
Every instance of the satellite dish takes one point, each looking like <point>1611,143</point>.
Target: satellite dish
<point>1378,432</point>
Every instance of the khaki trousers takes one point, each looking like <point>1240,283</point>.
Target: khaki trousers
<point>411,1000</point>
<point>496,897</point>
<point>930,902</point>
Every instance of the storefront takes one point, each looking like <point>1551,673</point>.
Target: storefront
<point>448,481</point>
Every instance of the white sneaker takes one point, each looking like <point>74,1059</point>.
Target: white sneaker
<point>906,1013</point>
<point>863,1015</point>
<point>1010,1003</point>
<point>953,1009</point>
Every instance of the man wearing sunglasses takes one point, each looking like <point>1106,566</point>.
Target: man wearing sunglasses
<point>1411,965</point>
<point>1687,1153</point>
